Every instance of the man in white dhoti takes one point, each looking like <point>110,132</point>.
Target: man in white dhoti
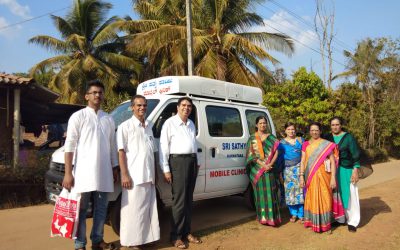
<point>136,148</point>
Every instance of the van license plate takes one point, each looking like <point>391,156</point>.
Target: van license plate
<point>53,197</point>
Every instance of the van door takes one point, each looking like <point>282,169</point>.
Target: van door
<point>168,110</point>
<point>225,147</point>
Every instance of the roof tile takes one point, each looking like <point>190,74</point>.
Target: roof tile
<point>12,79</point>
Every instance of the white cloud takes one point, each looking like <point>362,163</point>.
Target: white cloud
<point>8,32</point>
<point>288,25</point>
<point>16,8</point>
<point>3,23</point>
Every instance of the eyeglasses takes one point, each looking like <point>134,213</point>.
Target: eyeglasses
<point>95,93</point>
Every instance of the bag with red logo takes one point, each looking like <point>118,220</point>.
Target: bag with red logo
<point>66,214</point>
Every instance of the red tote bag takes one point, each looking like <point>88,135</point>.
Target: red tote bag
<point>66,215</point>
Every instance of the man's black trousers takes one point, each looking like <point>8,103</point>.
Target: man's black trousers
<point>184,173</point>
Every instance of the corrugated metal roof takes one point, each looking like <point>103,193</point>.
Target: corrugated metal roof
<point>12,79</point>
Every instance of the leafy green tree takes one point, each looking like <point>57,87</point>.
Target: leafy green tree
<point>347,102</point>
<point>300,100</point>
<point>376,68</point>
<point>89,48</point>
<point>366,64</point>
<point>223,46</point>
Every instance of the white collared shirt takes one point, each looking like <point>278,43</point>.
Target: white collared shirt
<point>139,145</point>
<point>91,137</point>
<point>176,138</point>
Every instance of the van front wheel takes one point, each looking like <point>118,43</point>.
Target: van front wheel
<point>115,215</point>
<point>249,197</point>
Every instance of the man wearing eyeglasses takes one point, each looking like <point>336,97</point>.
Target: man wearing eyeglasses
<point>178,159</point>
<point>136,148</point>
<point>91,143</point>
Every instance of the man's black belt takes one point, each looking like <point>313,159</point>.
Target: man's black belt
<point>182,155</point>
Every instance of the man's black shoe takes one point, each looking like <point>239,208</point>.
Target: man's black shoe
<point>352,228</point>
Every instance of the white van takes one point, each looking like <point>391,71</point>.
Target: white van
<point>224,114</point>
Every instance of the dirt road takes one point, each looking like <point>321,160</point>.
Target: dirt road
<point>226,223</point>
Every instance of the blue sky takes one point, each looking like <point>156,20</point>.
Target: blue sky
<point>354,21</point>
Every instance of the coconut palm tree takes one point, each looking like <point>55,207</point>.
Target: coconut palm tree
<point>224,46</point>
<point>89,48</point>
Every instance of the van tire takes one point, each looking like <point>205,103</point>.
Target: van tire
<point>249,198</point>
<point>160,204</point>
<point>115,215</point>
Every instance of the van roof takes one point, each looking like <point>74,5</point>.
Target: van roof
<point>201,87</point>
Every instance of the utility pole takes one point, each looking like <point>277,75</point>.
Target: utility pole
<point>189,36</point>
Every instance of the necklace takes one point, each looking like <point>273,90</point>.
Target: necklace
<point>262,135</point>
<point>291,140</point>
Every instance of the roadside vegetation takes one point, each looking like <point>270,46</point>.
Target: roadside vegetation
<point>23,186</point>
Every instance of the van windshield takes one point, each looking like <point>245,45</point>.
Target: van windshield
<point>123,112</point>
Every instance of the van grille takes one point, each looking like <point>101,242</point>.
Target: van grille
<point>58,167</point>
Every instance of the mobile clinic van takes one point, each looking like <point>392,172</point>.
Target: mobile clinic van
<point>224,115</point>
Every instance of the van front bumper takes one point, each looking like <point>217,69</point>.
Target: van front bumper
<point>53,181</point>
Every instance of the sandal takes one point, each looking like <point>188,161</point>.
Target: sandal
<point>301,220</point>
<point>102,246</point>
<point>293,219</point>
<point>193,239</point>
<point>179,244</point>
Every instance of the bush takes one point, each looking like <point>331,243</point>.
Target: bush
<point>24,185</point>
<point>374,155</point>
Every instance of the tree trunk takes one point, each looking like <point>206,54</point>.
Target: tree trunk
<point>371,102</point>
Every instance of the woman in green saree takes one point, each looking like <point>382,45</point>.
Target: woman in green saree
<point>261,156</point>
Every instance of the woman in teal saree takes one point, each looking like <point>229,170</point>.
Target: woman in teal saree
<point>261,156</point>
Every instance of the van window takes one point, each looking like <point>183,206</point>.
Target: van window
<point>251,116</point>
<point>169,111</point>
<point>123,112</point>
<point>223,122</point>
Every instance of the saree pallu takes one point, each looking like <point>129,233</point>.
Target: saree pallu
<point>264,183</point>
<point>322,205</point>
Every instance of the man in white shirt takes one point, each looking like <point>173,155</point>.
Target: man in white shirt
<point>136,148</point>
<point>91,144</point>
<point>178,159</point>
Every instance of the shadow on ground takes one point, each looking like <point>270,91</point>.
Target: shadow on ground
<point>371,207</point>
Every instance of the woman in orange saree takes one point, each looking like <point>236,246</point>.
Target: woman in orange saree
<point>322,204</point>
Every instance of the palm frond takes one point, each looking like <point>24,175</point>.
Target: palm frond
<point>63,26</point>
<point>271,41</point>
<point>241,22</point>
<point>157,38</point>
<point>87,16</point>
<point>78,42</point>
<point>52,62</point>
<point>240,74</point>
<point>108,31</point>
<point>201,44</point>
<point>135,26</point>
<point>208,65</point>
<point>242,44</point>
<point>50,43</point>
<point>256,65</point>
<point>343,74</point>
<point>121,62</point>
